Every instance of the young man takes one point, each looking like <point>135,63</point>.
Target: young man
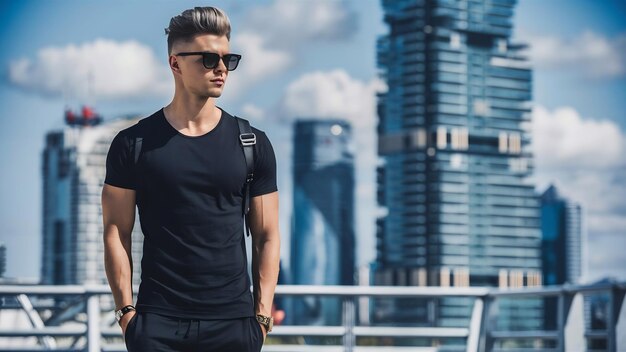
<point>188,184</point>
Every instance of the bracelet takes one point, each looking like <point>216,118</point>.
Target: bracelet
<point>120,312</point>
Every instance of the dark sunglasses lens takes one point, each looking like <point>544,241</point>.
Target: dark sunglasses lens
<point>231,61</point>
<point>210,60</point>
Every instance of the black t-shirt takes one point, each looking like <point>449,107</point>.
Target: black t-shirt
<point>189,192</point>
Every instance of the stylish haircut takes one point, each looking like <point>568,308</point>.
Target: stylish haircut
<point>199,20</point>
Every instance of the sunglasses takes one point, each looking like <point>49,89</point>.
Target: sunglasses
<point>210,60</point>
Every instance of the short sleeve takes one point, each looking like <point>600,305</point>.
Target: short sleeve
<point>264,180</point>
<point>119,166</point>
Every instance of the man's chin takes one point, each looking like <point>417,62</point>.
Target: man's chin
<point>212,94</point>
<point>215,93</point>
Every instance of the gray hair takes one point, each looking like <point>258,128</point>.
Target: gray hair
<point>199,20</point>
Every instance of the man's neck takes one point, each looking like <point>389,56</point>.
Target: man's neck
<point>192,116</point>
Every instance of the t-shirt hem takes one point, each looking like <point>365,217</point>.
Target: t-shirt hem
<point>196,314</point>
<point>260,193</point>
<point>117,184</point>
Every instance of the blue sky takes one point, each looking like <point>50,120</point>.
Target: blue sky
<point>305,59</point>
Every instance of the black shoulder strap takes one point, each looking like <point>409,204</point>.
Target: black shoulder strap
<point>137,144</point>
<point>137,148</point>
<point>247,140</point>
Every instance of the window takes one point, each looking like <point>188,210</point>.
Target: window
<point>441,137</point>
<point>515,143</point>
<point>502,142</point>
<point>481,107</point>
<point>455,40</point>
<point>459,138</point>
<point>458,162</point>
<point>502,45</point>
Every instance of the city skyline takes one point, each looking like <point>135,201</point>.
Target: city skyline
<point>579,72</point>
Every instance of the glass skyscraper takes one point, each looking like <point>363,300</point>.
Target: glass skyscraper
<point>322,236</point>
<point>561,228</point>
<point>561,246</point>
<point>454,136</point>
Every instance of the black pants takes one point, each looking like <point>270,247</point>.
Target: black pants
<point>151,332</point>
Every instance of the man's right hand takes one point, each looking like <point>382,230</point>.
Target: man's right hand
<point>125,319</point>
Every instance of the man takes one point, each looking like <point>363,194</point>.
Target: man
<point>188,184</point>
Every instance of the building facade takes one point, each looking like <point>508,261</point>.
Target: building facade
<point>322,236</point>
<point>454,136</point>
<point>561,246</point>
<point>73,174</point>
<point>562,239</point>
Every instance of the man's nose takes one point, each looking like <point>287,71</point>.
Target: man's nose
<point>221,66</point>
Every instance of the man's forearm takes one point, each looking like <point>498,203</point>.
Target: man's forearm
<point>119,267</point>
<point>265,268</point>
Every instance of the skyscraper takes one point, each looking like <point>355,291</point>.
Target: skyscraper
<point>322,236</point>
<point>453,135</point>
<point>561,228</point>
<point>73,174</point>
<point>561,246</point>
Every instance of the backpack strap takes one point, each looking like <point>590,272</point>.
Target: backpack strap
<point>137,142</point>
<point>247,140</point>
<point>137,148</point>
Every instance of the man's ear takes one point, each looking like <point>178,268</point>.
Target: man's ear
<point>174,63</point>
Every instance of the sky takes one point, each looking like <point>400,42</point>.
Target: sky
<point>306,59</point>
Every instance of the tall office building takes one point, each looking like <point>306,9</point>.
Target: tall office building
<point>453,134</point>
<point>73,175</point>
<point>562,234</point>
<point>322,236</point>
<point>561,246</point>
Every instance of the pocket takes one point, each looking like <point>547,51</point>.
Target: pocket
<point>259,332</point>
<point>129,326</point>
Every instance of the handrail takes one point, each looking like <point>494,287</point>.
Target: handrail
<point>480,335</point>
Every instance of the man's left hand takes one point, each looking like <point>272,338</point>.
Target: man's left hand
<point>263,329</point>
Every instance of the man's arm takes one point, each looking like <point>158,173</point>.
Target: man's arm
<point>265,250</point>
<point>118,214</point>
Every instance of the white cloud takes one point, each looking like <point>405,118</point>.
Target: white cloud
<point>332,94</point>
<point>288,22</point>
<point>585,159</point>
<point>258,62</point>
<point>251,111</point>
<point>564,140</point>
<point>102,69</point>
<point>270,38</point>
<point>590,53</point>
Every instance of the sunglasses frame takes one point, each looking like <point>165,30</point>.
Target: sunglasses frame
<point>209,53</point>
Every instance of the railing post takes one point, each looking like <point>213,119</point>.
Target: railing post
<point>349,318</point>
<point>475,325</point>
<point>93,322</point>
<point>563,310</point>
<point>486,341</point>
<point>47,341</point>
<point>616,298</point>
<point>620,318</point>
<point>573,331</point>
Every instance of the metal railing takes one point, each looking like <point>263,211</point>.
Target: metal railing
<point>98,323</point>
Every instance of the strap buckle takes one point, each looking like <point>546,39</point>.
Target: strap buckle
<point>247,138</point>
